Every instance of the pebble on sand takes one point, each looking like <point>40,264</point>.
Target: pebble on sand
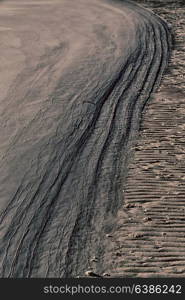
<point>106,275</point>
<point>109,235</point>
<point>92,274</point>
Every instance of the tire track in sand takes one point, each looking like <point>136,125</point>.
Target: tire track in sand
<point>150,238</point>
<point>81,86</point>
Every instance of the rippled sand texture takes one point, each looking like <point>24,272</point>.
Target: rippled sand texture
<point>149,239</point>
<point>75,76</point>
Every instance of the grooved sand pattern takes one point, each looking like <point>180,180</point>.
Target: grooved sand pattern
<point>150,236</point>
<point>75,76</point>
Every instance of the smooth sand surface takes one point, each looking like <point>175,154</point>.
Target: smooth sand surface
<point>74,78</point>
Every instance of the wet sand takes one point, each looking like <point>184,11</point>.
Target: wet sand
<point>75,77</point>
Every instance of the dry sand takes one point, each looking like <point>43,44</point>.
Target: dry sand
<point>149,239</point>
<point>75,76</point>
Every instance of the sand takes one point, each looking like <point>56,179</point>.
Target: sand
<point>75,77</point>
<point>149,238</point>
